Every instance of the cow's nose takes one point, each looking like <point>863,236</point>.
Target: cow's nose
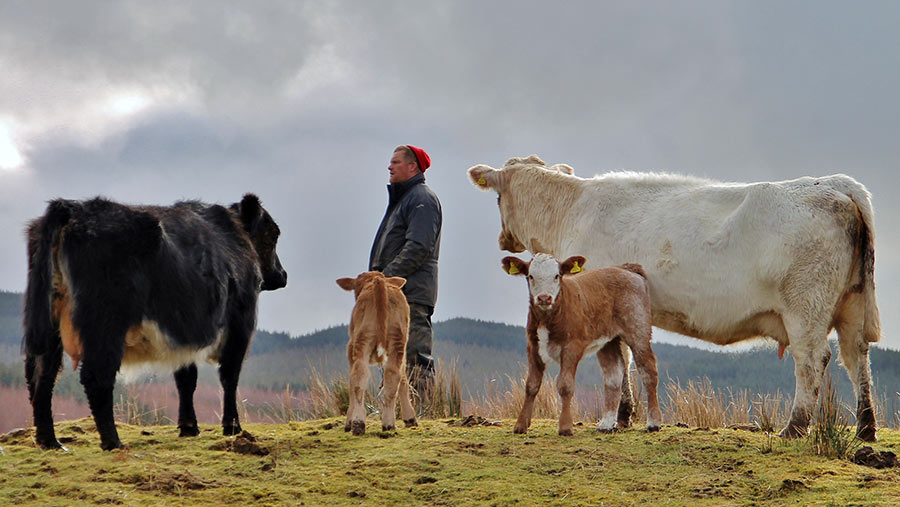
<point>544,299</point>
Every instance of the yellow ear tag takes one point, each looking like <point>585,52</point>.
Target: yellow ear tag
<point>576,268</point>
<point>513,270</point>
<point>482,181</point>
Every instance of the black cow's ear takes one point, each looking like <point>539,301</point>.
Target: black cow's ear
<point>251,211</point>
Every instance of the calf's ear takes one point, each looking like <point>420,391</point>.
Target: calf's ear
<point>515,266</point>
<point>572,265</point>
<point>485,177</point>
<point>396,281</point>
<point>346,283</point>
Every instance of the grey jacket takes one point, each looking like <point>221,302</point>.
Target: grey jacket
<point>409,238</point>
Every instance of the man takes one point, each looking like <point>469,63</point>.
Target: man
<point>407,245</point>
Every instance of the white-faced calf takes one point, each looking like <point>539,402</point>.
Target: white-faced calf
<point>604,310</point>
<point>379,327</point>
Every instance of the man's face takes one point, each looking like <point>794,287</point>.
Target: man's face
<point>400,169</point>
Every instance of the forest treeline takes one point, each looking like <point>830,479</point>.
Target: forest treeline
<point>486,355</point>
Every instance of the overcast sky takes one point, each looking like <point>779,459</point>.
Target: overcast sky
<point>303,103</point>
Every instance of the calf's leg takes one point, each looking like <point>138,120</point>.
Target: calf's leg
<point>626,405</point>
<point>565,384</point>
<point>532,386</point>
<point>356,412</point>
<point>186,382</point>
<point>407,412</point>
<point>646,364</point>
<point>391,385</point>
<point>612,364</point>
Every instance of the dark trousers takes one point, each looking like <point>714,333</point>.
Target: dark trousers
<point>419,362</point>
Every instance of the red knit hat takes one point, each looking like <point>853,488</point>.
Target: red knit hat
<point>421,157</point>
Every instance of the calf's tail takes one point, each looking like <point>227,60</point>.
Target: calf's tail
<point>635,268</point>
<point>380,310</point>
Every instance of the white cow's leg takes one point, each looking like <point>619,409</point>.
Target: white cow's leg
<point>811,354</point>
<point>855,358</point>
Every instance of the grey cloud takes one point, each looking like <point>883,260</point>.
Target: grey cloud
<point>302,103</point>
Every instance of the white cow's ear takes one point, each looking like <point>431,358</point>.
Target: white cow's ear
<point>485,177</point>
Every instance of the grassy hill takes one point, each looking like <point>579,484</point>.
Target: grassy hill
<point>487,356</point>
<point>317,463</point>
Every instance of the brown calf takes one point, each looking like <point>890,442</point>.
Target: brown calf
<point>605,310</point>
<point>379,327</point>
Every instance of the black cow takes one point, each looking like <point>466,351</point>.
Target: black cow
<point>113,285</point>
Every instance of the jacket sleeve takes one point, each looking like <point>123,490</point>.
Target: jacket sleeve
<point>424,225</point>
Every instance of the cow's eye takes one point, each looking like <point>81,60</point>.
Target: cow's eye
<point>556,277</point>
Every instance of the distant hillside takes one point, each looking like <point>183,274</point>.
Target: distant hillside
<point>483,352</point>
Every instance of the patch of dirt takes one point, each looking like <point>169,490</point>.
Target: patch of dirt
<point>329,426</point>
<point>425,480</point>
<point>743,427</point>
<point>15,436</point>
<point>245,443</point>
<point>357,494</point>
<point>474,420</point>
<point>872,458</point>
<point>169,482</point>
<point>792,485</point>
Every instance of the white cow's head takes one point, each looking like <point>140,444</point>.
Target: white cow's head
<point>543,273</point>
<point>486,177</point>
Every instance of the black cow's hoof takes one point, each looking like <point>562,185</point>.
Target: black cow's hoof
<point>51,444</point>
<point>565,433</point>
<point>358,427</point>
<point>652,429</point>
<point>112,445</point>
<point>233,429</point>
<point>519,431</point>
<point>347,427</point>
<point>188,430</point>
<point>388,428</point>
<point>607,430</point>
<point>411,422</point>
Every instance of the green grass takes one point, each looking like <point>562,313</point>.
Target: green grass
<point>317,463</point>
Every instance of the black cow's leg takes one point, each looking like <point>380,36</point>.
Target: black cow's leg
<point>229,371</point>
<point>40,374</point>
<point>186,380</point>
<point>230,363</point>
<point>103,349</point>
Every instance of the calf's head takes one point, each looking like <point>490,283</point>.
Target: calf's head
<point>543,273</point>
<point>263,232</point>
<point>365,280</point>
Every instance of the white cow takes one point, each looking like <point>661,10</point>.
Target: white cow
<point>788,260</point>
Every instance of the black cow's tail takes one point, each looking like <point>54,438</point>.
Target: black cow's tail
<point>41,332</point>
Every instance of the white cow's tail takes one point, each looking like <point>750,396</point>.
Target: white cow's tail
<point>864,282</point>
